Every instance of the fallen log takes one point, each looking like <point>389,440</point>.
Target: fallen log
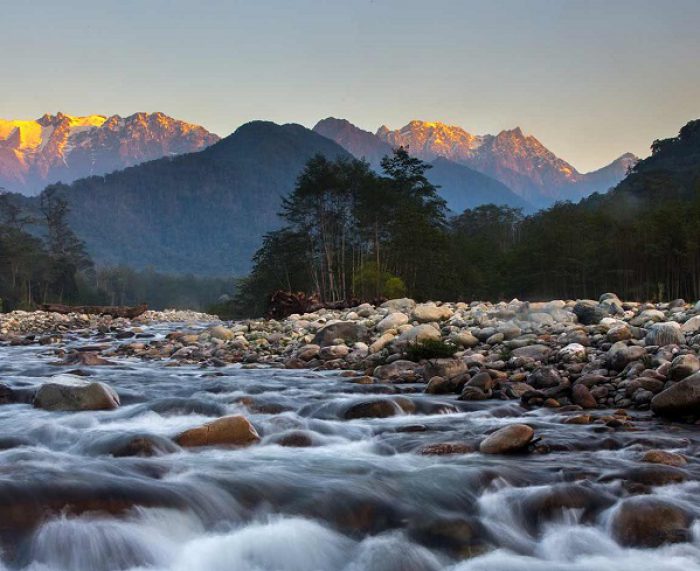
<point>113,310</point>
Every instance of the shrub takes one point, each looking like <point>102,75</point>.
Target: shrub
<point>430,349</point>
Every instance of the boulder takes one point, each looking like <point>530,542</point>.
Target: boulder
<point>400,370</point>
<point>621,354</point>
<point>349,331</point>
<point>544,378</point>
<point>447,368</point>
<point>76,395</point>
<point>680,399</point>
<point>429,312</point>
<point>400,305</point>
<point>465,339</point>
<point>581,396</point>
<point>683,366</point>
<point>588,312</point>
<point>534,352</point>
<point>573,353</point>
<point>512,438</point>
<point>220,332</point>
<point>691,326</point>
<point>375,408</point>
<point>661,334</point>
<point>419,334</point>
<point>392,321</point>
<point>233,430</point>
<point>649,522</point>
<point>664,457</point>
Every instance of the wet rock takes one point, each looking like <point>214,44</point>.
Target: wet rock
<point>440,386</point>
<point>649,522</point>
<point>376,408</point>
<point>549,504</point>
<point>664,457</point>
<point>588,312</point>
<point>76,396</point>
<point>573,353</point>
<point>230,430</point>
<point>446,448</point>
<point>446,368</point>
<point>680,399</point>
<point>293,439</point>
<point>86,358</point>
<point>655,475</point>
<point>459,537</point>
<point>621,354</point>
<point>668,333</point>
<point>399,370</point>
<point>544,378</point>
<point>683,366</point>
<point>308,352</point>
<point>482,380</point>
<point>534,352</point>
<point>581,396</point>
<point>474,393</point>
<point>143,446</point>
<point>512,438</point>
<point>348,331</point>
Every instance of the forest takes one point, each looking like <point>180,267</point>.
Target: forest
<point>43,261</point>
<point>350,233</point>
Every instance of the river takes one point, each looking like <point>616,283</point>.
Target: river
<point>357,496</point>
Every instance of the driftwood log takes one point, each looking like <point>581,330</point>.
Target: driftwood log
<point>284,303</point>
<point>113,310</point>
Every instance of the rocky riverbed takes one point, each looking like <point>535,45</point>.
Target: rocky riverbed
<point>557,436</point>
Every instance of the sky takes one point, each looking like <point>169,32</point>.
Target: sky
<point>591,79</point>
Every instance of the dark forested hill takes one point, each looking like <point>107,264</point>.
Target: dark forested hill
<point>204,212</point>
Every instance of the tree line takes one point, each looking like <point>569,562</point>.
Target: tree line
<point>43,261</point>
<point>351,233</point>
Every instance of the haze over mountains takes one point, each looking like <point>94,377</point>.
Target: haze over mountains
<point>65,148</point>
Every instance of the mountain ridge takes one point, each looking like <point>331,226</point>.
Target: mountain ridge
<point>61,147</point>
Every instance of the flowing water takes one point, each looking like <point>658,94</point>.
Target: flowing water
<point>359,497</point>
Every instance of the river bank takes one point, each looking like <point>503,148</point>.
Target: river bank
<point>581,355</point>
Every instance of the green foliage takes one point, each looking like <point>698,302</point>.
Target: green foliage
<point>430,349</point>
<point>370,281</point>
<point>353,234</point>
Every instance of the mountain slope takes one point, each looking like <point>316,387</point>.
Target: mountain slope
<point>519,161</point>
<point>64,148</point>
<point>359,143</point>
<point>202,212</point>
<point>461,186</point>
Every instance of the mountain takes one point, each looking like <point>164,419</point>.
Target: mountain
<point>359,143</point>
<point>204,212</point>
<point>461,186</point>
<point>607,177</point>
<point>517,160</point>
<point>669,177</point>
<point>64,148</point>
